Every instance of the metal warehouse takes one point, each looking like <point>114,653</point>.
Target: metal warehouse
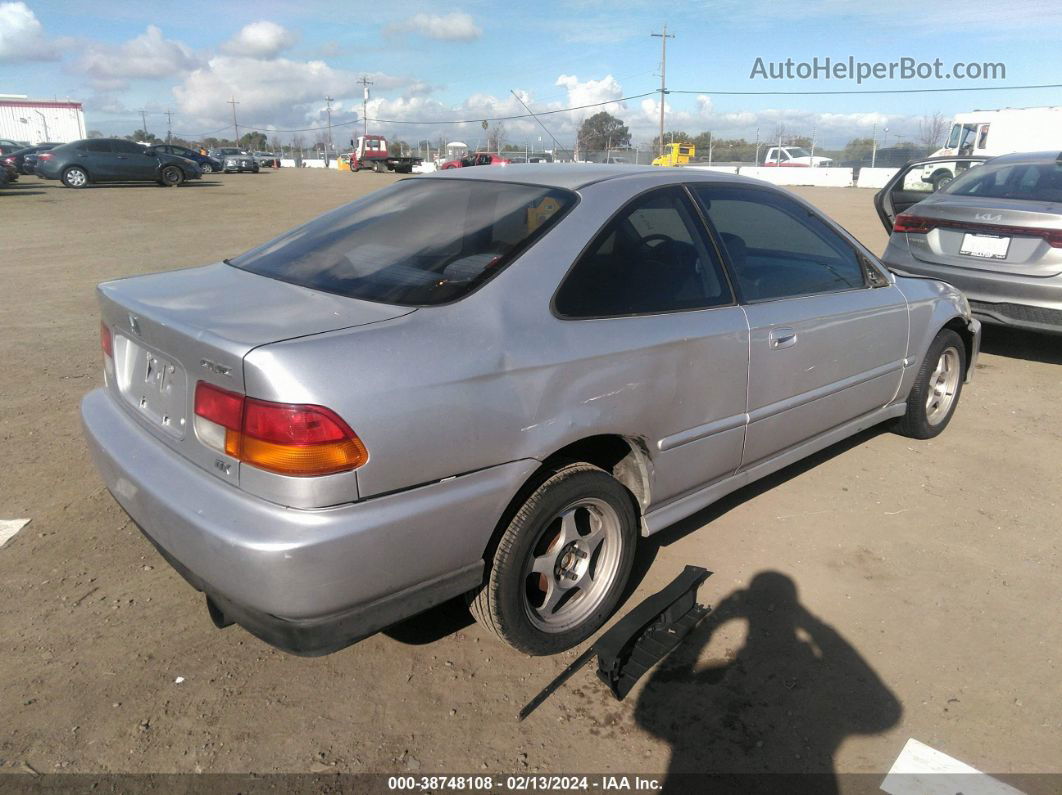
<point>38,120</point>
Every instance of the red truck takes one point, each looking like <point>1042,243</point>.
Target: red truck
<point>371,152</point>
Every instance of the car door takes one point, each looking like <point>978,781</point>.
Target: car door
<point>135,162</point>
<point>828,328</point>
<point>650,298</point>
<point>917,180</point>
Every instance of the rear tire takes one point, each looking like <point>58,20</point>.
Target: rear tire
<point>562,562</point>
<point>937,388</point>
<point>75,177</point>
<point>378,167</point>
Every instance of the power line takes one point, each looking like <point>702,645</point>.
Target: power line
<point>514,117</point>
<point>868,91</point>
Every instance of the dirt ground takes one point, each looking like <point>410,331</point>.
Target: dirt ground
<point>884,589</point>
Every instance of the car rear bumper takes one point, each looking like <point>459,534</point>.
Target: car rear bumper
<point>307,581</point>
<point>1006,299</point>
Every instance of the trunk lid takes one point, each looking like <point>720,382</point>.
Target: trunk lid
<point>1012,252</point>
<point>171,330</point>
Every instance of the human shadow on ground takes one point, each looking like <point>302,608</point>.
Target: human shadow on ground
<point>782,704</point>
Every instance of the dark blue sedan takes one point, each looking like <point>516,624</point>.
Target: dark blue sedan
<point>206,163</point>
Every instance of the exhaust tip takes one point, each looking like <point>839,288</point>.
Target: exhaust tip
<point>217,615</point>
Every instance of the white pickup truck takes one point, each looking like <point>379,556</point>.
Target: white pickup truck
<point>794,156</point>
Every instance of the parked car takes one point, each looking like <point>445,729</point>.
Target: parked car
<point>81,163</point>
<point>794,157</point>
<point>10,172</point>
<point>995,232</point>
<point>539,365</point>
<point>207,164</point>
<point>477,159</point>
<point>266,159</point>
<point>24,160</point>
<point>235,160</point>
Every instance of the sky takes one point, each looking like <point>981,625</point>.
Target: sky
<point>436,64</point>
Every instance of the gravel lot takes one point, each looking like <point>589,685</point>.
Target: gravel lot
<point>884,589</point>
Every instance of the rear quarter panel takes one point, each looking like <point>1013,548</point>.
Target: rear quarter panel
<point>932,305</point>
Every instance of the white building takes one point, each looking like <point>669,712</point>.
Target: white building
<point>39,120</point>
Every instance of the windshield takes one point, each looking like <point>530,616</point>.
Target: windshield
<point>1032,181</point>
<point>417,243</point>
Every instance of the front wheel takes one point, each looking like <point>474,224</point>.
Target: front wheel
<point>171,176</point>
<point>206,168</point>
<point>937,387</point>
<point>561,564</point>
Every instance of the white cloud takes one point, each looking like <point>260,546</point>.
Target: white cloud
<point>273,93</point>
<point>591,92</point>
<point>22,36</point>
<point>262,39</point>
<point>455,26</point>
<point>149,55</point>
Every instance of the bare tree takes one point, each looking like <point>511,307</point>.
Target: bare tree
<point>496,137</point>
<point>932,128</point>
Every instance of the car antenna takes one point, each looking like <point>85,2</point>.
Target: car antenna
<point>536,118</point>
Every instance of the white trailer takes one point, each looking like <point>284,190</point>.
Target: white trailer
<point>39,120</point>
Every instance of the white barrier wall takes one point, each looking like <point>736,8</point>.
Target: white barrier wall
<point>285,163</point>
<point>318,163</point>
<point>425,168</point>
<point>720,169</point>
<point>875,177</point>
<point>820,177</point>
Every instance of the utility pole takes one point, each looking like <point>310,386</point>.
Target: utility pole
<point>169,126</point>
<point>235,126</point>
<point>143,122</point>
<point>331,145</point>
<point>365,83</point>
<point>663,78</point>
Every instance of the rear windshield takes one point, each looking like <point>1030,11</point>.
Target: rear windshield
<point>1040,182</point>
<point>417,243</point>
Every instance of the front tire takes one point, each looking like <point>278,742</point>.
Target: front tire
<point>171,176</point>
<point>206,168</point>
<point>561,564</point>
<point>937,388</point>
<point>75,177</point>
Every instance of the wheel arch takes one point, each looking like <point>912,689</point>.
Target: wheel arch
<point>966,334</point>
<point>626,458</point>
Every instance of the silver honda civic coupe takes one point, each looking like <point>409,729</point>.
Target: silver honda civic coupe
<point>491,382</point>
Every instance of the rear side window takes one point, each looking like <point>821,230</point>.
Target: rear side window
<point>129,148</point>
<point>419,242</point>
<point>95,146</point>
<point>777,248</point>
<point>650,258</point>
<point>1040,182</point>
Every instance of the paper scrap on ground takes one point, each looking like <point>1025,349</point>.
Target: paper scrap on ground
<point>921,770</point>
<point>9,527</point>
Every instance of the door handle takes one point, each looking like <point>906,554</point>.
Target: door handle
<point>783,338</point>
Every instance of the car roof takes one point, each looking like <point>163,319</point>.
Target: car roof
<point>573,176</point>
<point>1045,158</point>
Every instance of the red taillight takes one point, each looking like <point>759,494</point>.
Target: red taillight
<point>9,160</point>
<point>106,343</point>
<point>45,156</point>
<point>916,224</point>
<point>289,439</point>
<point>219,405</point>
<point>293,425</point>
<point>912,224</point>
